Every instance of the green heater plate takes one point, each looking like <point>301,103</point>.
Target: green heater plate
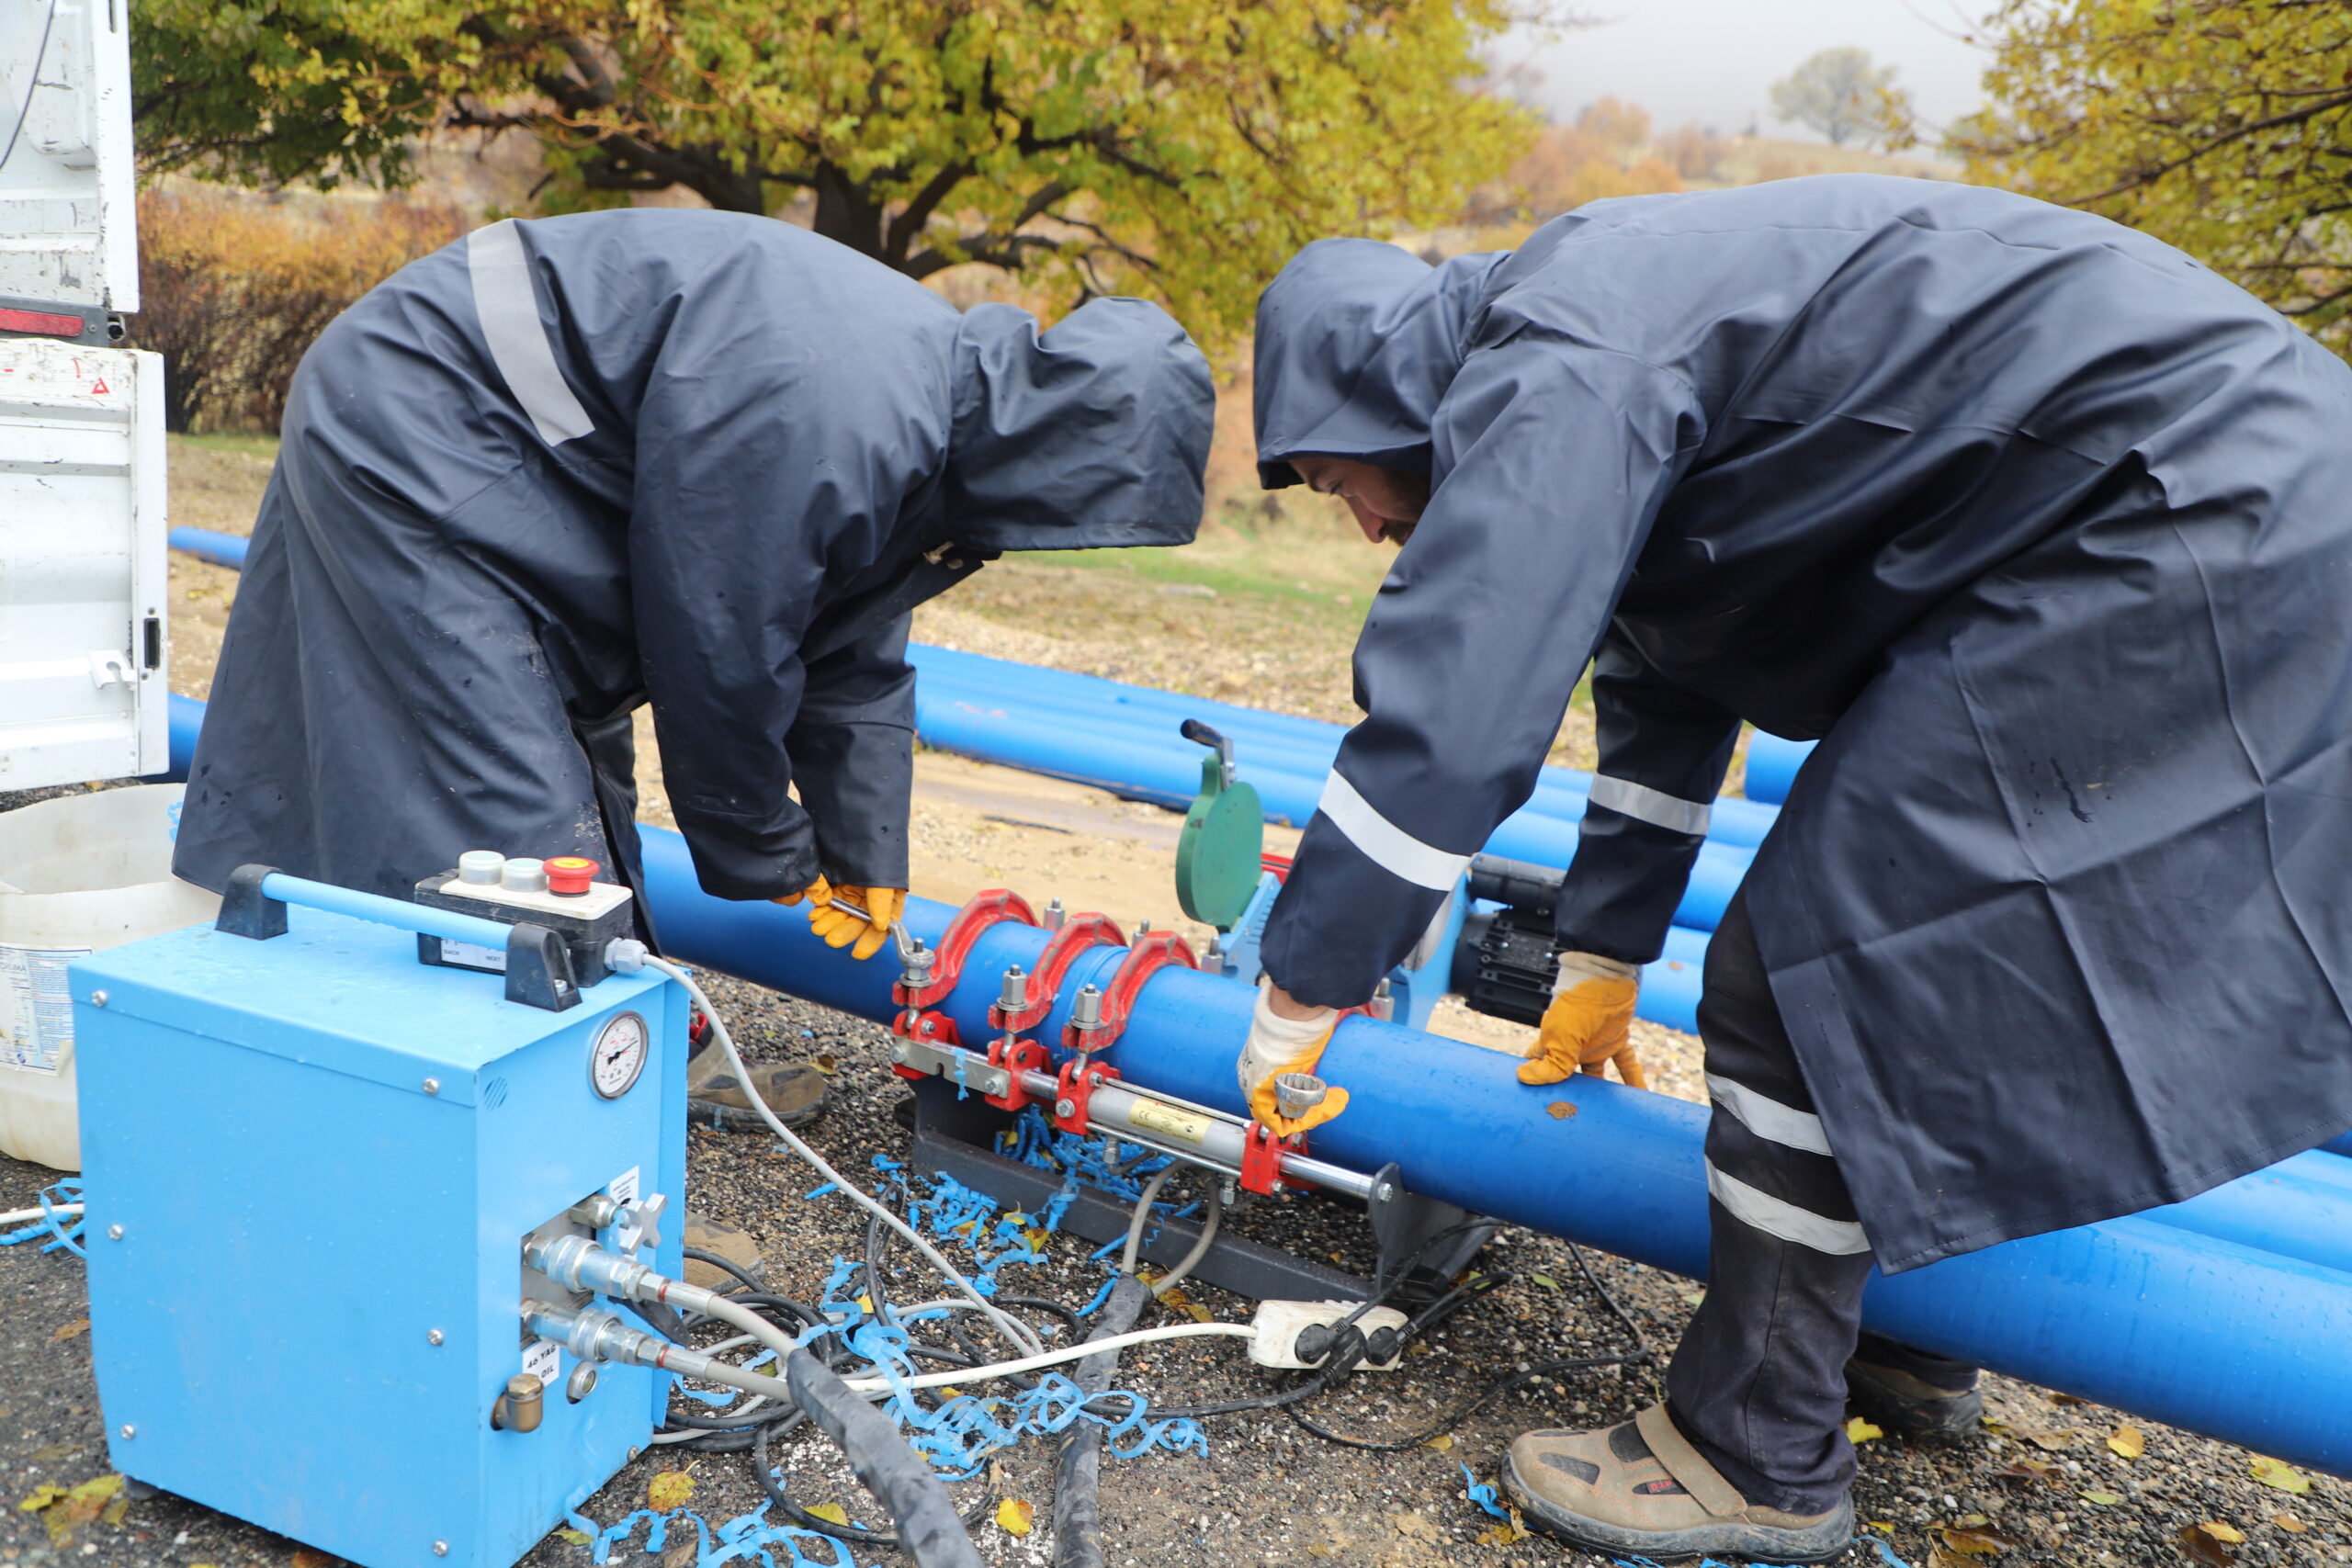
<point>1217,853</point>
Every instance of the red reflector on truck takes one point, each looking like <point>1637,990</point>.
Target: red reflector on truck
<point>39,321</point>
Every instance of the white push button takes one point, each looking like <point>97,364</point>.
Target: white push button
<point>481,867</point>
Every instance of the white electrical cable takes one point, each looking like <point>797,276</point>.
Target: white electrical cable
<point>870,1386</point>
<point>18,1217</point>
<point>1012,1329</point>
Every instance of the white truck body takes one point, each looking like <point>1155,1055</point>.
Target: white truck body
<point>68,203</point>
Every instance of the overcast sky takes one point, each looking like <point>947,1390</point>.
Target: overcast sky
<point>1714,61</point>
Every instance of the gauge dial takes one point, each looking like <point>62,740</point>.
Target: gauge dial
<point>618,1055</point>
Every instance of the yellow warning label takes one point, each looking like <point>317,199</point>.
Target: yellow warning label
<point>1150,1116</point>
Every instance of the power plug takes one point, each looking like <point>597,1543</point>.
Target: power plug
<point>1299,1333</point>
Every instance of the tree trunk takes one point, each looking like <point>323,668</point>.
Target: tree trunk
<point>847,212</point>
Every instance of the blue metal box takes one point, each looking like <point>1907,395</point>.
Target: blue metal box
<point>311,1163</point>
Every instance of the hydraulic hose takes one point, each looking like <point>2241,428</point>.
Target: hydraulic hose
<point>928,1529</point>
<point>1077,1473</point>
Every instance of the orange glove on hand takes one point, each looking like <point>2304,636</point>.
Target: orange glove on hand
<point>819,893</point>
<point>860,915</point>
<point>1277,1045</point>
<point>1589,1024</point>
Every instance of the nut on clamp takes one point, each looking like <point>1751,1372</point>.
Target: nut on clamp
<point>1098,1017</point>
<point>927,975</point>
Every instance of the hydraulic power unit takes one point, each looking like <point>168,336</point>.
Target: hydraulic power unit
<point>314,1163</point>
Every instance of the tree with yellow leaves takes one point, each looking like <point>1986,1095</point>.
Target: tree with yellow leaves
<point>1181,148</point>
<point>2223,127</point>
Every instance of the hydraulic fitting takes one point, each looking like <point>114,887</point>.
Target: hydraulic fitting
<point>578,1264</point>
<point>520,1407</point>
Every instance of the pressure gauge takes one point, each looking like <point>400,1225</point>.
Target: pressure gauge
<point>618,1055</point>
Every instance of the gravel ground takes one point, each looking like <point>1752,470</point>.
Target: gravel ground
<point>1268,1493</point>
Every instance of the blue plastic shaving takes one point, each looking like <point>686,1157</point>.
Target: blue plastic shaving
<point>63,1230</point>
<point>1100,1297</point>
<point>749,1538</point>
<point>1483,1494</point>
<point>821,1192</point>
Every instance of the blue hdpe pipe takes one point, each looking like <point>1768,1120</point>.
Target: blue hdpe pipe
<point>1772,765</point>
<point>220,549</point>
<point>2191,1329</point>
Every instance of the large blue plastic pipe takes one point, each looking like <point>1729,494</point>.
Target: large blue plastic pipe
<point>220,549</point>
<point>2177,1326</point>
<point>1772,765</point>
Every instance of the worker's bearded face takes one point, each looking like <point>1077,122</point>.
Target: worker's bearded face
<point>1386,502</point>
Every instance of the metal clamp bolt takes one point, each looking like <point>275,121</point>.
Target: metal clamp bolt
<point>440,1549</point>
<point>114,1232</point>
<point>128,1430</point>
<point>98,999</point>
<point>432,1086</point>
<point>434,1336</point>
<point>1065,1109</point>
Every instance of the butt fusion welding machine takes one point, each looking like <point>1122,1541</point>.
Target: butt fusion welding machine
<point>319,1138</point>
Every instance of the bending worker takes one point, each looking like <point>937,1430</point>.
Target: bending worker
<point>2046,531</point>
<point>706,461</point>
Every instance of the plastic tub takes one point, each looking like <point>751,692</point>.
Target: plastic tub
<point>77,873</point>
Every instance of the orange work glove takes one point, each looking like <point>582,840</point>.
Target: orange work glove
<point>819,893</point>
<point>1589,1024</point>
<point>1277,1045</point>
<point>860,915</point>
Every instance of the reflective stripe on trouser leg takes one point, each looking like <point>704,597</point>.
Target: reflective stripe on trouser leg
<point>1758,1382</point>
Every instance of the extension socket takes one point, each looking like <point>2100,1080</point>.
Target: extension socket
<point>1275,1329</point>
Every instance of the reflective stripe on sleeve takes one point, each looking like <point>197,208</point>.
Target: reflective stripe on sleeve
<point>509,309</point>
<point>1655,807</point>
<point>1769,1119</point>
<point>1387,846</point>
<point>1775,1217</point>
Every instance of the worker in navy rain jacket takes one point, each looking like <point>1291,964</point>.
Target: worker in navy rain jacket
<point>705,461</point>
<point>2046,531</point>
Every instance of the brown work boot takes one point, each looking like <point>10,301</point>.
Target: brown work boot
<point>795,1091</point>
<point>706,1234</point>
<point>1641,1489</point>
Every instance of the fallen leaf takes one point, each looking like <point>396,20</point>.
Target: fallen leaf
<point>304,1557</point>
<point>1561,1109</point>
<point>1969,1521</point>
<point>2221,1531</point>
<point>832,1513</point>
<point>1038,1240</point>
<point>2128,1441</point>
<point>2025,1472</point>
<point>2274,1473</point>
<point>63,1512</point>
<point>1545,1280</point>
<point>1861,1432</point>
<point>1882,1527</point>
<point>2066,1399</point>
<point>950,1391</point>
<point>669,1490</point>
<point>1199,1312</point>
<point>1441,1442</point>
<point>570,1535</point>
<point>1993,1423</point>
<point>824,1063</point>
<point>114,1511</point>
<point>43,1495</point>
<point>1944,1557</point>
<point>1508,1533</point>
<point>2048,1441</point>
<point>2289,1523</point>
<point>2204,1548</point>
<point>2102,1499</point>
<point>1975,1541</point>
<point>1014,1517</point>
<point>1322,1549</point>
<point>69,1329</point>
<point>865,1304</point>
<point>51,1451</point>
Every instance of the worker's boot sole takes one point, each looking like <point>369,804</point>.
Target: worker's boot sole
<point>1731,1539</point>
<point>1909,1409</point>
<point>794,1091</point>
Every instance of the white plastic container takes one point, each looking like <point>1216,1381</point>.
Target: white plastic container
<point>77,873</point>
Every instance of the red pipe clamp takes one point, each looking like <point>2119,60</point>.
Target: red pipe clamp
<point>916,1019</point>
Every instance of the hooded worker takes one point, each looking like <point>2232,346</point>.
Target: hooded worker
<point>2046,532</point>
<point>705,461</point>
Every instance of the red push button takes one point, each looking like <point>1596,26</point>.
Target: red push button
<point>571,874</point>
